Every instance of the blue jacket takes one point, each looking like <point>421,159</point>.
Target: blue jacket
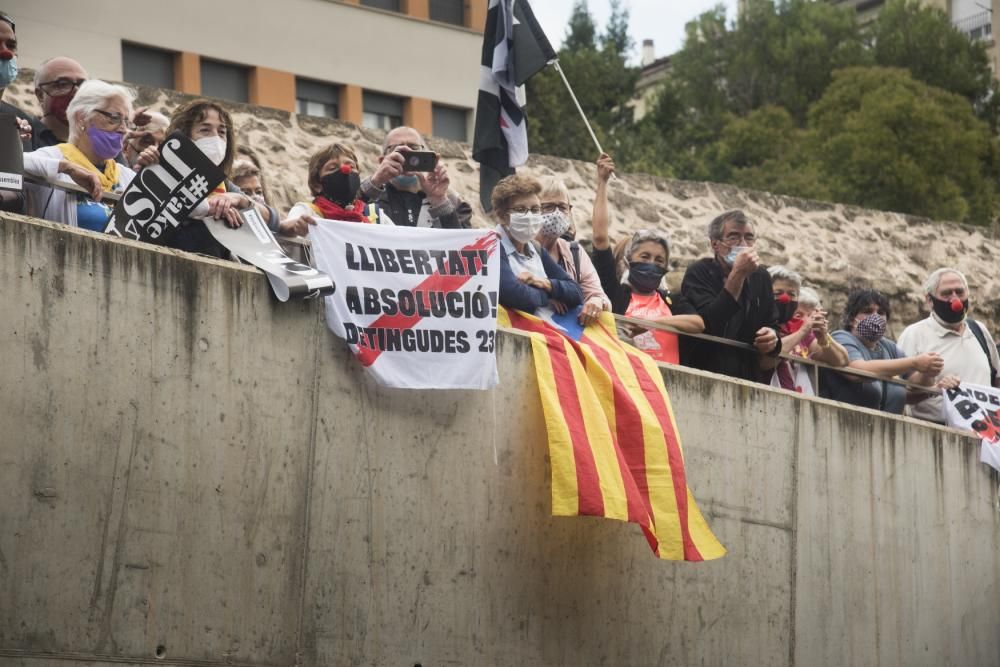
<point>517,295</point>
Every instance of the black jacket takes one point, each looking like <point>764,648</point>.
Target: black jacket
<point>704,287</point>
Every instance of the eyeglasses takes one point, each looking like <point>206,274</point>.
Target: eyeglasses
<point>412,147</point>
<point>60,87</point>
<point>549,207</point>
<point>734,238</point>
<point>116,120</point>
<point>521,210</point>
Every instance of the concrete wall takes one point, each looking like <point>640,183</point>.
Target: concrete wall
<point>190,468</point>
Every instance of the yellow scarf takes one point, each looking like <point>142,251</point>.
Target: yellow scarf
<point>110,176</point>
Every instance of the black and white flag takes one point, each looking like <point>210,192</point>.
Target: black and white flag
<point>514,49</point>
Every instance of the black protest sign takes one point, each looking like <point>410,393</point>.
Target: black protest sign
<point>11,155</point>
<point>164,194</point>
<point>253,242</point>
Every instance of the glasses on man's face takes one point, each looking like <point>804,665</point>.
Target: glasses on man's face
<point>549,207</point>
<point>412,147</point>
<point>521,210</point>
<point>115,120</point>
<point>60,87</point>
<point>735,238</point>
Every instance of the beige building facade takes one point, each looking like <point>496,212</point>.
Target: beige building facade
<point>377,63</point>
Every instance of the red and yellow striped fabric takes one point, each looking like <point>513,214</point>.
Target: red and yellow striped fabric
<point>613,443</point>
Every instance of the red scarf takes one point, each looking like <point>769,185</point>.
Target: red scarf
<point>332,211</point>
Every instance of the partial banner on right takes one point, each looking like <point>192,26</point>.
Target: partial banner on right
<point>976,408</point>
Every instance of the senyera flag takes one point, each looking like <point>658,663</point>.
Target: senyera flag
<point>514,49</point>
<point>613,444</point>
<point>417,306</point>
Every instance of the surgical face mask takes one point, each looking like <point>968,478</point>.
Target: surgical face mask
<point>554,224</point>
<point>871,328</point>
<point>214,148</point>
<point>645,276</point>
<point>952,311</point>
<point>341,187</point>
<point>105,144</point>
<point>405,181</point>
<point>734,252</point>
<point>8,68</point>
<point>524,226</point>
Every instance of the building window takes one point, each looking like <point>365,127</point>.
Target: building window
<point>448,11</point>
<point>316,98</point>
<point>451,123</point>
<point>147,66</point>
<point>382,112</point>
<point>224,80</point>
<point>391,5</point>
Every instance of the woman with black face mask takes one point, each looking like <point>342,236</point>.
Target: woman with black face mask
<point>636,290</point>
<point>802,335</point>
<point>334,182</point>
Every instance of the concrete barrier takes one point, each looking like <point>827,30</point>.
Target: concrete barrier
<point>194,474</point>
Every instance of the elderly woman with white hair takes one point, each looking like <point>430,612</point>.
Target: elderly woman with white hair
<point>557,220</point>
<point>804,331</point>
<point>637,289</point>
<point>98,119</point>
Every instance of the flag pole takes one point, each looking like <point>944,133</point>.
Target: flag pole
<point>555,63</point>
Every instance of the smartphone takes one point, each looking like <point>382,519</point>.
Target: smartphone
<point>419,160</point>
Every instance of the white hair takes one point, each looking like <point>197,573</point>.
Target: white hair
<point>780,272</point>
<point>92,94</point>
<point>808,297</point>
<point>555,186</point>
<point>157,121</point>
<point>934,280</point>
<point>385,140</point>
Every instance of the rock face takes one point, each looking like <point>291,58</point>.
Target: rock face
<point>833,246</point>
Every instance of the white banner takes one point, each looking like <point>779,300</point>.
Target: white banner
<point>976,408</point>
<point>417,306</point>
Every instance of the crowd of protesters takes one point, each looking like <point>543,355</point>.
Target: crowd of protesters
<point>89,134</point>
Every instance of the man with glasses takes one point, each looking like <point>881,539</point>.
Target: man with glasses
<point>56,83</point>
<point>732,293</point>
<point>413,198</point>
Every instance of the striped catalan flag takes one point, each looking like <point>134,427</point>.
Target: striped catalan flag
<point>613,444</point>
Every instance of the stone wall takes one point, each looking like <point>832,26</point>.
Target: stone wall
<point>832,245</point>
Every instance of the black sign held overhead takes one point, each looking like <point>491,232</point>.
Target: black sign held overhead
<point>162,195</point>
<point>252,241</point>
<point>11,155</point>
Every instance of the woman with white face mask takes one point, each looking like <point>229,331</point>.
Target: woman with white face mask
<point>529,277</point>
<point>210,127</point>
<point>557,220</point>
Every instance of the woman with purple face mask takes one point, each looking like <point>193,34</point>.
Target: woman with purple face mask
<point>99,116</point>
<point>865,324</point>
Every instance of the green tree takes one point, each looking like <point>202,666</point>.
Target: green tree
<point>603,83</point>
<point>887,141</point>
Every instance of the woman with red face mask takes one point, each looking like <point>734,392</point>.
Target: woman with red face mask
<point>803,336</point>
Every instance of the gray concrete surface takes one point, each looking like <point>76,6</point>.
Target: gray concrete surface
<point>189,468</point>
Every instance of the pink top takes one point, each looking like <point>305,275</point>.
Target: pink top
<point>589,281</point>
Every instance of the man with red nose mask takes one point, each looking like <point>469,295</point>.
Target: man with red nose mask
<point>56,82</point>
<point>968,350</point>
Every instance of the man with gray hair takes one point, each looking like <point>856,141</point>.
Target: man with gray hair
<point>413,198</point>
<point>968,350</point>
<point>733,294</point>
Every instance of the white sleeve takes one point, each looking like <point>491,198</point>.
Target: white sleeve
<point>41,166</point>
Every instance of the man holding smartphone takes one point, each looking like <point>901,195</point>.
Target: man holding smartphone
<point>411,186</point>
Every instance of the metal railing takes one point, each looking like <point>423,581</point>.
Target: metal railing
<point>301,245</point>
